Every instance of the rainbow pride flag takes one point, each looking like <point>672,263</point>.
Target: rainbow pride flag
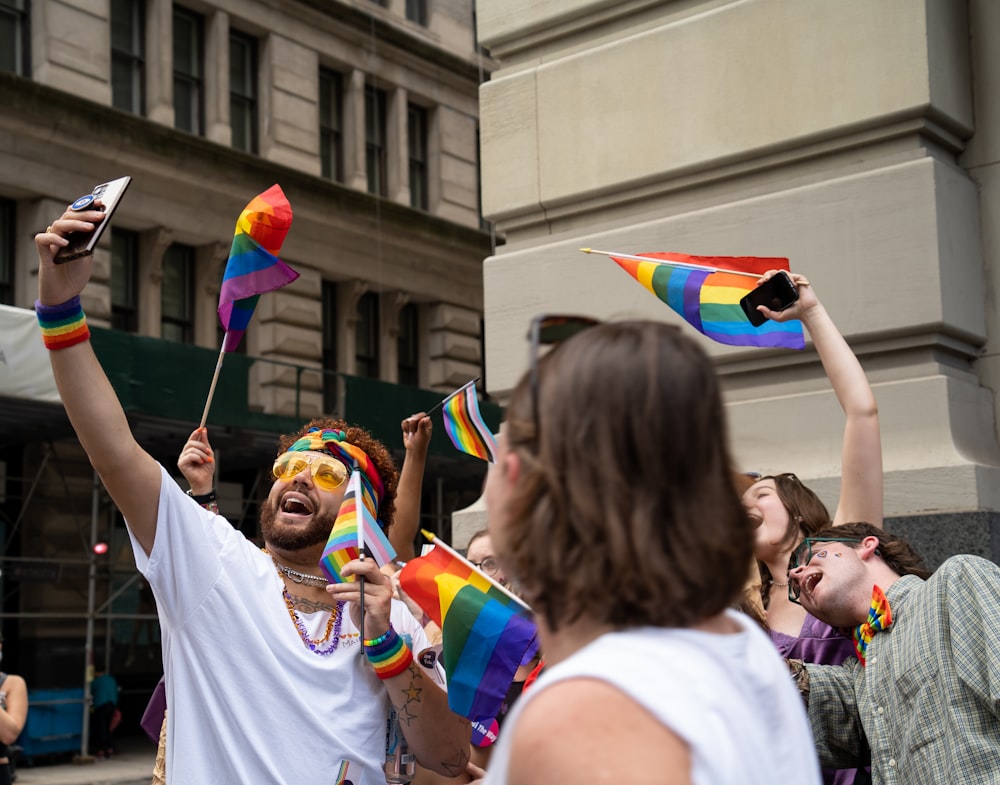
<point>354,529</point>
<point>709,300</point>
<point>486,633</point>
<point>254,266</point>
<point>463,422</point>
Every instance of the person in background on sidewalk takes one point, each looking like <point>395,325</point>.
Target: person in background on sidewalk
<point>13,715</point>
<point>103,704</point>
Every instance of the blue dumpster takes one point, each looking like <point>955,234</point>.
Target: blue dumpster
<point>55,722</point>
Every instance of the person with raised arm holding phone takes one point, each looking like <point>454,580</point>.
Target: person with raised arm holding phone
<point>272,676</point>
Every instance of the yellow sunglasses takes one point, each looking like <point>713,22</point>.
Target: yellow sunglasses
<point>328,473</point>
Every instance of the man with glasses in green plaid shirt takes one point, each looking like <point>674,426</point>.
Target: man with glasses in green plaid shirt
<point>925,689</point>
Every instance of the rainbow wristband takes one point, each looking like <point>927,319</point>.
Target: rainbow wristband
<point>62,325</point>
<point>388,654</point>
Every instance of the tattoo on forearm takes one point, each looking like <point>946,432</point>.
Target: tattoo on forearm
<point>801,678</point>
<point>456,765</point>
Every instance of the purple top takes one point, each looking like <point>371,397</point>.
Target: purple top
<point>820,644</point>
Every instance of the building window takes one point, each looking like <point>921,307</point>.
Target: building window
<point>416,11</point>
<point>408,367</point>
<point>14,36</point>
<point>124,281</point>
<point>416,124</point>
<point>6,252</point>
<point>189,67</point>
<point>177,294</point>
<point>331,124</point>
<point>128,64</point>
<point>329,295</point>
<point>366,338</point>
<point>243,91</point>
<point>375,141</point>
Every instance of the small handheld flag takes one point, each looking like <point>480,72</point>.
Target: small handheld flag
<point>463,422</point>
<point>706,291</point>
<point>486,632</point>
<point>354,529</point>
<point>253,268</point>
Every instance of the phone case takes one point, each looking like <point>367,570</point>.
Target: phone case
<point>778,293</point>
<point>83,243</point>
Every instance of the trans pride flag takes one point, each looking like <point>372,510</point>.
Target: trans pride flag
<point>486,633</point>
<point>254,266</point>
<point>354,529</point>
<point>463,422</point>
<point>709,299</point>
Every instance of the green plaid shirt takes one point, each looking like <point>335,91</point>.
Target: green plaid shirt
<point>929,700</point>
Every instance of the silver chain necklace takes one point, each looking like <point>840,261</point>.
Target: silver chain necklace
<point>303,578</point>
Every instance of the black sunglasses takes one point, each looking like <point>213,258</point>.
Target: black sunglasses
<point>549,330</point>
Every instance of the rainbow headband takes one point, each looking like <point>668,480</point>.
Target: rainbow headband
<point>335,443</point>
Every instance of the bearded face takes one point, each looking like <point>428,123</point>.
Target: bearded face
<point>290,538</point>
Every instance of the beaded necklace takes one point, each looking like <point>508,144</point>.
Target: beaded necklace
<point>333,625</point>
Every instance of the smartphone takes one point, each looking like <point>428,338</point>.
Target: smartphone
<point>109,194</point>
<point>777,293</point>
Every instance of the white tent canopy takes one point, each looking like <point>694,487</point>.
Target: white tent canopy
<point>24,363</point>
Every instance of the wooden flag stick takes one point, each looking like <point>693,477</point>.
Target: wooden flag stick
<point>438,542</point>
<point>211,390</point>
<point>684,265</point>
<point>447,398</point>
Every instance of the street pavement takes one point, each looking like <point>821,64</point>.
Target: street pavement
<point>133,765</point>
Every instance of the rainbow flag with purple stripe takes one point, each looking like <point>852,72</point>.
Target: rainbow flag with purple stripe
<point>709,300</point>
<point>463,422</point>
<point>354,529</point>
<point>486,634</point>
<point>254,266</point>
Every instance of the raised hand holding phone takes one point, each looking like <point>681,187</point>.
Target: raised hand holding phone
<point>790,307</point>
<point>104,198</point>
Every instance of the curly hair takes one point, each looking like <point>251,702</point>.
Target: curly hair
<point>625,511</point>
<point>896,552</point>
<point>375,450</point>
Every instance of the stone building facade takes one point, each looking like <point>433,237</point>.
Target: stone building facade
<point>859,139</point>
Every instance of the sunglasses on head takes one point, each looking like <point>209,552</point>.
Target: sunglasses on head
<point>328,473</point>
<point>551,330</point>
<point>804,553</point>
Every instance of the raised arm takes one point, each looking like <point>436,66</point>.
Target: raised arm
<point>406,520</point>
<point>861,453</point>
<point>129,473</point>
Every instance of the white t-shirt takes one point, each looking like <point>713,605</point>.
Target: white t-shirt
<point>247,701</point>
<point>729,697</point>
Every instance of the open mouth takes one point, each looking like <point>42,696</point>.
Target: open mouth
<point>296,505</point>
<point>808,583</point>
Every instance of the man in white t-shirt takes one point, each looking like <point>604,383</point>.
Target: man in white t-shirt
<point>269,676</point>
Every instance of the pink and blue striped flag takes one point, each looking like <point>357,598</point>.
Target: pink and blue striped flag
<point>709,299</point>
<point>354,529</point>
<point>254,266</point>
<point>464,424</point>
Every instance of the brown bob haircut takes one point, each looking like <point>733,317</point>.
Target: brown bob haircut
<point>625,512</point>
<point>896,552</point>
<point>375,450</point>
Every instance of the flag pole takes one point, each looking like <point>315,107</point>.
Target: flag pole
<point>444,546</point>
<point>671,263</point>
<point>211,390</point>
<point>360,523</point>
<point>447,398</point>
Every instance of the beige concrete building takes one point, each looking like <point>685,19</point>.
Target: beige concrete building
<point>858,138</point>
<point>366,113</point>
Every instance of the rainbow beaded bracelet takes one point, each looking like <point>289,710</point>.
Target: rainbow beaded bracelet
<point>388,654</point>
<point>62,325</point>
